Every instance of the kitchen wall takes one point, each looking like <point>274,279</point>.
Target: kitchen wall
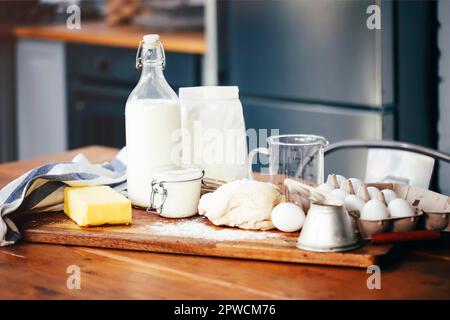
<point>7,110</point>
<point>444,92</point>
<point>41,98</point>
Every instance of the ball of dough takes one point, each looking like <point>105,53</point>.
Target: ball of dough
<point>246,204</point>
<point>288,217</point>
<point>400,208</point>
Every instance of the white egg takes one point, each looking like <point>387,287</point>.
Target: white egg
<point>389,195</point>
<point>348,187</point>
<point>325,188</point>
<point>339,193</point>
<point>288,217</point>
<point>374,210</point>
<point>356,183</point>
<point>400,208</point>
<point>332,181</point>
<point>341,180</point>
<point>353,203</point>
<point>363,194</point>
<point>373,191</point>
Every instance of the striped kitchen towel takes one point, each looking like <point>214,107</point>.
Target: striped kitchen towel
<point>42,189</point>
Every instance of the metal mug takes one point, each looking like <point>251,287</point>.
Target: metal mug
<point>328,228</point>
<point>296,156</point>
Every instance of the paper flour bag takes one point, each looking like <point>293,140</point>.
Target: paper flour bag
<point>213,131</point>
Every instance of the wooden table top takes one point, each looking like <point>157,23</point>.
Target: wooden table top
<point>39,271</point>
<point>99,33</point>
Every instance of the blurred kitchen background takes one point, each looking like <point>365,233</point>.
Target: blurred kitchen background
<point>302,66</point>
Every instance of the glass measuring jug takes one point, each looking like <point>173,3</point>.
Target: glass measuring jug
<point>296,156</point>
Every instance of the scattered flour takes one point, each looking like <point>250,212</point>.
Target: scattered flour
<point>195,228</point>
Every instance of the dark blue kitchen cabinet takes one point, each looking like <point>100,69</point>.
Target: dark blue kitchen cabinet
<point>96,115</point>
<point>100,79</point>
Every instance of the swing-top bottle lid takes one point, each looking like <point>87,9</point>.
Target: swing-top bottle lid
<point>150,48</point>
<point>150,39</point>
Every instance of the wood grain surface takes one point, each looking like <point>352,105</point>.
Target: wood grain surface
<point>99,33</point>
<point>39,271</point>
<point>149,232</point>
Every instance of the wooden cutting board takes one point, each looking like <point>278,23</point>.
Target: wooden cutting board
<point>193,236</point>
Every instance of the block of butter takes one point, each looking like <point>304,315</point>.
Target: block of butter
<point>94,206</point>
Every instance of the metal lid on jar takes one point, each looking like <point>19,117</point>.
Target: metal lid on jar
<point>179,174</point>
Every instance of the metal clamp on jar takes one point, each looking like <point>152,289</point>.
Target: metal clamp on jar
<point>176,192</point>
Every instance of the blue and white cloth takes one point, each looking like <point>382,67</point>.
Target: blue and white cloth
<point>42,189</point>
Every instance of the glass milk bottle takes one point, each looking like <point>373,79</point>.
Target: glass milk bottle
<point>152,116</point>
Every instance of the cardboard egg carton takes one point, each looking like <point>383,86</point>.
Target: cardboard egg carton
<point>435,207</point>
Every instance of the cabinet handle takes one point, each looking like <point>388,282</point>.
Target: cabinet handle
<point>80,105</point>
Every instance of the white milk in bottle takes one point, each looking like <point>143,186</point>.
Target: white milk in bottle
<point>152,116</point>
